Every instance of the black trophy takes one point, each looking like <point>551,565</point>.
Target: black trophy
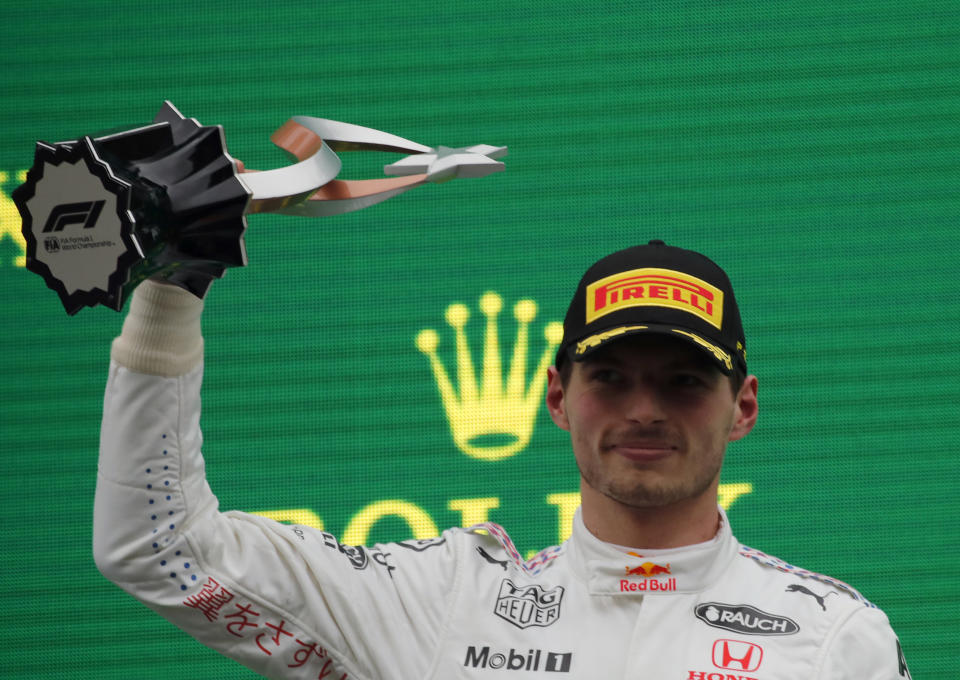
<point>166,200</point>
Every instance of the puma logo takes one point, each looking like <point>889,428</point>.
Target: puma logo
<point>485,555</point>
<point>806,591</point>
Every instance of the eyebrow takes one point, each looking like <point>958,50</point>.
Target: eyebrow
<point>701,363</point>
<point>692,362</point>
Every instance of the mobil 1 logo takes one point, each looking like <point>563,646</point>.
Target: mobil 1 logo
<point>518,660</point>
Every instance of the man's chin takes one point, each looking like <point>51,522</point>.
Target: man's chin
<point>649,496</point>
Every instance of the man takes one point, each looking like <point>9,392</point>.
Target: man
<point>650,381</point>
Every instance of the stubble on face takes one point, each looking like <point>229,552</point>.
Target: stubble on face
<point>692,428</point>
<point>645,486</point>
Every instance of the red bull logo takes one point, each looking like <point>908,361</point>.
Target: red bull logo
<point>648,569</point>
<point>653,585</point>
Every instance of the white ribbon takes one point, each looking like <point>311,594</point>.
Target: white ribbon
<point>310,187</point>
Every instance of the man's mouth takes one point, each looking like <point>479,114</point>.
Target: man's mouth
<point>642,450</point>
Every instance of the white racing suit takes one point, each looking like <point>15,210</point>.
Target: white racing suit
<point>292,602</point>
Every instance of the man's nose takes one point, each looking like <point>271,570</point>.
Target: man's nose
<point>644,405</point>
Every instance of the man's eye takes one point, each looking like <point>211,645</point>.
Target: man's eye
<point>687,380</point>
<point>605,375</point>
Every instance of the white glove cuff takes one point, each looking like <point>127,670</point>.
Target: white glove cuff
<point>161,334</point>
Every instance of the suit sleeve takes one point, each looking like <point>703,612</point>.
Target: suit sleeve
<point>864,647</point>
<point>286,601</point>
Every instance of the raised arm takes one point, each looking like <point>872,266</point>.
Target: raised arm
<point>286,601</point>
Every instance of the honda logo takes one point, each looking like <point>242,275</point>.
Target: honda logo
<point>735,655</point>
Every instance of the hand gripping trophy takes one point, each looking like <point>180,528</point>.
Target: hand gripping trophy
<point>101,214</point>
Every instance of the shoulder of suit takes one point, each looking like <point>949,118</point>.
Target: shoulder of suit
<point>801,578</point>
<point>492,541</point>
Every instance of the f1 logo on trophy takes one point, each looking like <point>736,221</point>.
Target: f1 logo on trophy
<point>167,200</point>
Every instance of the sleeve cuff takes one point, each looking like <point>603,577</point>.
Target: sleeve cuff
<point>161,333</point>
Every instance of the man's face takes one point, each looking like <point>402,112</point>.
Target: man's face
<point>649,419</point>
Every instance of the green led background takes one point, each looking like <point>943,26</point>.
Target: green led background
<point>813,149</point>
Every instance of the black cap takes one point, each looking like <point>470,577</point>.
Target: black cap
<point>660,289</point>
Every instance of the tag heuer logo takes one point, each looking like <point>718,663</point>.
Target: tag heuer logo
<point>530,605</point>
<point>742,618</point>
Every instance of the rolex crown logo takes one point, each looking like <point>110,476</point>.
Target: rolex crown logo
<point>492,418</point>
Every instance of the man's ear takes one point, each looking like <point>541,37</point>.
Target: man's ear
<point>555,394</point>
<point>745,414</point>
